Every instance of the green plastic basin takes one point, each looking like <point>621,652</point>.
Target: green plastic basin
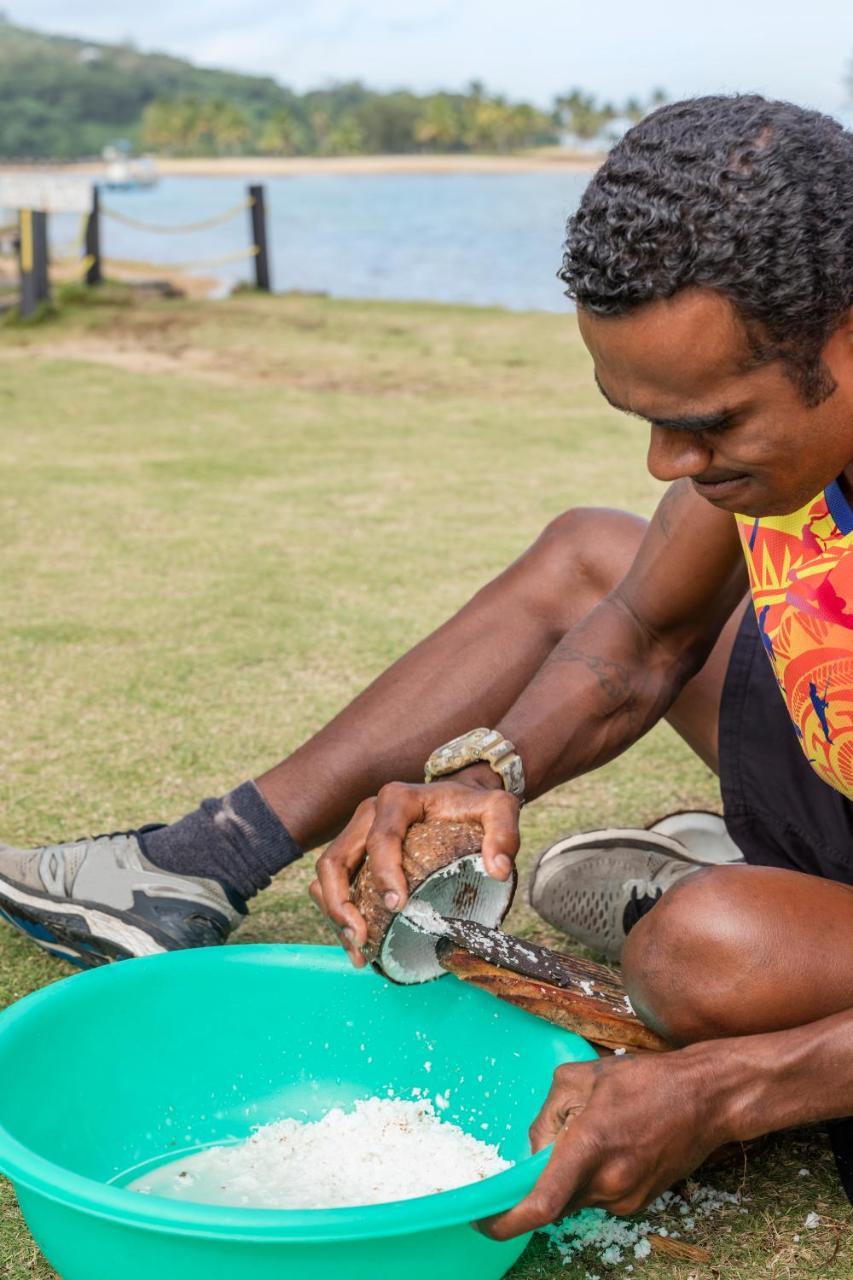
<point>108,1072</point>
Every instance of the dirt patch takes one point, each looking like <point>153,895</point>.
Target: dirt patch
<point>187,361</point>
<point>134,359</point>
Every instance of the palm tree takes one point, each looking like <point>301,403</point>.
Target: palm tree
<point>345,138</point>
<point>580,113</point>
<point>229,128</point>
<point>439,127</point>
<point>282,135</point>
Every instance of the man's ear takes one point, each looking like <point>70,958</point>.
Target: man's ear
<point>838,352</point>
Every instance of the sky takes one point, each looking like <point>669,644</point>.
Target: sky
<point>796,49</point>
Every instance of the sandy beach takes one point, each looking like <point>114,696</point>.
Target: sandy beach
<point>542,159</point>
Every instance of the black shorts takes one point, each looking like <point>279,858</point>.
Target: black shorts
<point>777,810</point>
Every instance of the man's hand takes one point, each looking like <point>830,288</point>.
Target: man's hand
<point>379,826</point>
<point>624,1130</point>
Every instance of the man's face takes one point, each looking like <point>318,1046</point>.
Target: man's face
<point>744,436</point>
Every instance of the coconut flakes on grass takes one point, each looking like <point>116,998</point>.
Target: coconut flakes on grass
<point>606,1241</point>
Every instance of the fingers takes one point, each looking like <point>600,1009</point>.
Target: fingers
<point>398,807</point>
<point>496,811</point>
<point>336,867</point>
<point>571,1088</point>
<point>500,833</point>
<point>559,1190</point>
<point>346,934</point>
<point>574,1158</point>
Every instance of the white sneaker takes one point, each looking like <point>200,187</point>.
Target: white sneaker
<point>594,885</point>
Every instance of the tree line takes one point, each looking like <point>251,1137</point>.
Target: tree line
<point>350,119</point>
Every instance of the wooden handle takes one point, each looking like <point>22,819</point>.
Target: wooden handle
<point>589,999</point>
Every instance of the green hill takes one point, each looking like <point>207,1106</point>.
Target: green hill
<point>62,98</point>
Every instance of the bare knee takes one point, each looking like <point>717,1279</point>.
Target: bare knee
<point>684,962</point>
<point>580,556</point>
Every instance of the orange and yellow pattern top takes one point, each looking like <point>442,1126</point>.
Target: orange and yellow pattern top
<point>801,578</point>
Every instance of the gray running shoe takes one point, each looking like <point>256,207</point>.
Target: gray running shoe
<point>100,899</point>
<point>703,832</point>
<point>595,885</point>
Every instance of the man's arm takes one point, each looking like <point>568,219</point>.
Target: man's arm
<point>627,1128</point>
<point>619,670</point>
<point>608,680</point>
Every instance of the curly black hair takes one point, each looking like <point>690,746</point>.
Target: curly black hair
<point>746,196</point>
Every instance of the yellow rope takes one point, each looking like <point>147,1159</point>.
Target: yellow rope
<point>185,266</point>
<point>72,250</point>
<point>77,266</point>
<point>203,225</point>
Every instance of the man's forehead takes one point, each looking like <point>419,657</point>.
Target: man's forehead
<point>669,354</point>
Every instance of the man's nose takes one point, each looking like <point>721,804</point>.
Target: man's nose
<point>674,454</point>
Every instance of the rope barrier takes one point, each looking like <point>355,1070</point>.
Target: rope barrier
<point>75,246</point>
<point>251,252</point>
<point>82,257</point>
<point>78,266</point>
<point>203,225</point>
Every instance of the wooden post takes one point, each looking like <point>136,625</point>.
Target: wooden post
<point>94,274</point>
<point>258,219</point>
<point>32,259</point>
<point>41,258</point>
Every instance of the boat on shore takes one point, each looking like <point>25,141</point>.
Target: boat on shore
<point>125,172</point>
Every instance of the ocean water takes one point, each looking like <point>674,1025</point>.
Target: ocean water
<point>486,239</point>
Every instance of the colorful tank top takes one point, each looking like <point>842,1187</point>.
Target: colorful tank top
<point>801,579</point>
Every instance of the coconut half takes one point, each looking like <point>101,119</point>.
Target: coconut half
<point>444,870</point>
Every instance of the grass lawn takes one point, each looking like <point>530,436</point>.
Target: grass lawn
<point>220,520</point>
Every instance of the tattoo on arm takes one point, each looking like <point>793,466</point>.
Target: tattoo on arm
<point>614,678</point>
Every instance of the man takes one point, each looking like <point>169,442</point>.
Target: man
<point>712,264</point>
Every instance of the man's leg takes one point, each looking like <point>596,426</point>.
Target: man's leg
<point>734,951</point>
<point>466,673</point>
<point>737,950</point>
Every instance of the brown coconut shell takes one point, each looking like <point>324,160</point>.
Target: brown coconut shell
<point>427,848</point>
<point>589,999</point>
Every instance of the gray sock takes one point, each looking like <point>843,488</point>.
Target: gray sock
<point>236,840</point>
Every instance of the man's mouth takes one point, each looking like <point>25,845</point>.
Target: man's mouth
<point>721,486</point>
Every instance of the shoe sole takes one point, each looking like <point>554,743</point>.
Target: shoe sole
<point>86,934</point>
